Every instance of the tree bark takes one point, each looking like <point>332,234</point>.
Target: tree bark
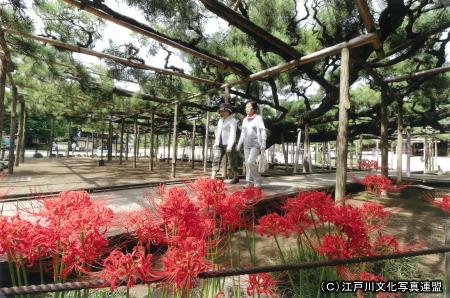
<point>152,131</point>
<point>384,133</point>
<point>12,129</point>
<point>174,141</point>
<point>399,141</point>
<point>341,141</point>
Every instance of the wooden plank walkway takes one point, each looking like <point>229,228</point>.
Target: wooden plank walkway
<point>133,199</point>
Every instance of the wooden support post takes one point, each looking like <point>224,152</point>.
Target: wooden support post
<point>174,141</point>
<point>435,154</point>
<point>284,153</point>
<point>122,127</point>
<point>297,152</point>
<point>324,148</point>
<point>127,146</point>
<point>341,141</point>
<point>3,70</point>
<point>157,148</point>
<point>408,152</point>
<point>360,151</point>
<point>206,147</point>
<point>152,131</point>
<point>20,130</point>
<point>384,132</point>
<point>169,137</point>
<point>193,145</point>
<point>316,154</point>
<point>93,143</point>
<point>426,153</point>
<point>115,147</point>
<point>330,166</point>
<point>69,144</point>
<point>227,94</point>
<point>164,148</point>
<point>399,142</point>
<point>52,128</point>
<point>136,142</point>
<point>102,144</point>
<point>306,151</point>
<point>23,114</point>
<point>145,140</point>
<point>86,147</point>
<point>110,137</point>
<point>12,130</point>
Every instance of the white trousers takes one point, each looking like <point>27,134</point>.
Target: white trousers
<point>251,168</point>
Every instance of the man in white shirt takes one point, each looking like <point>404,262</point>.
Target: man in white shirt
<point>225,138</point>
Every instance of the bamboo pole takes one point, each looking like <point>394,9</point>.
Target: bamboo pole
<point>152,131</point>
<point>297,151</point>
<point>117,59</point>
<point>399,142</point>
<point>193,145</point>
<point>341,141</point>
<point>174,141</point>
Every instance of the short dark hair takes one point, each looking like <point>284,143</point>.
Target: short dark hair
<point>253,103</point>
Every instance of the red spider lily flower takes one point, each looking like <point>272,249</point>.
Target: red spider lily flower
<point>252,195</point>
<point>366,164</point>
<point>376,183</point>
<point>184,261</point>
<point>230,210</point>
<point>273,224</point>
<point>145,228</point>
<point>320,203</point>
<point>386,244</point>
<point>443,204</point>
<point>348,220</point>
<point>182,217</point>
<point>129,268</point>
<point>261,284</point>
<point>209,191</point>
<point>334,247</point>
<point>221,294</point>
<point>374,215</point>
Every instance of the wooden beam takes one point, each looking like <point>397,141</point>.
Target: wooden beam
<point>419,74</point>
<point>158,37</point>
<point>353,43</point>
<point>120,60</point>
<point>367,18</point>
<point>174,142</point>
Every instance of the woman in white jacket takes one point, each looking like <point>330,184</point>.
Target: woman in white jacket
<point>253,138</point>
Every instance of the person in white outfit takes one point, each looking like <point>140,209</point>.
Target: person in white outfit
<point>253,138</point>
<point>224,142</point>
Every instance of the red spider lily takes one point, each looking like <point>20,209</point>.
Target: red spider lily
<point>184,261</point>
<point>221,294</point>
<point>273,224</point>
<point>230,210</point>
<point>376,183</point>
<point>374,215</point>
<point>348,219</point>
<point>366,164</point>
<point>182,217</point>
<point>334,247</point>
<point>261,284</point>
<point>252,195</point>
<point>443,204</point>
<point>210,191</point>
<point>145,228</point>
<point>129,268</point>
